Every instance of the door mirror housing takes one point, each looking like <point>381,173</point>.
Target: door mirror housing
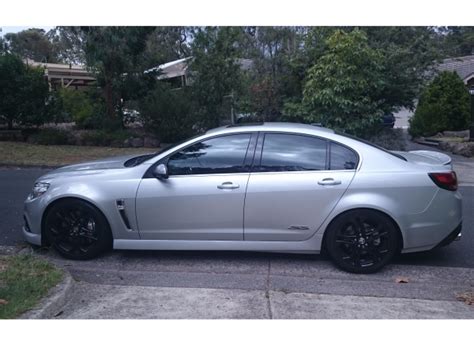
<point>161,172</point>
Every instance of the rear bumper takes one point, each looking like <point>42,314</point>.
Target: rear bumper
<point>454,235</point>
<point>436,225</point>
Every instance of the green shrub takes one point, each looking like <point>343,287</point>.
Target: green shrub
<point>23,92</point>
<point>84,107</point>
<point>169,114</point>
<point>443,106</point>
<point>51,136</point>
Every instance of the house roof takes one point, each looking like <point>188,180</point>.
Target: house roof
<point>179,67</point>
<point>463,66</point>
<point>65,73</point>
<point>171,69</point>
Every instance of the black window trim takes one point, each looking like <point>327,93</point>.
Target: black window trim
<point>261,140</point>
<point>248,160</point>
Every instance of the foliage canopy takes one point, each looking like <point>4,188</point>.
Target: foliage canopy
<point>23,92</point>
<point>443,106</point>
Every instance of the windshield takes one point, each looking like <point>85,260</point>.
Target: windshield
<point>141,158</point>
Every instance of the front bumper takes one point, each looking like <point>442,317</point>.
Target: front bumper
<point>32,214</point>
<point>31,237</point>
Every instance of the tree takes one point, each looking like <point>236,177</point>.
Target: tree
<point>31,44</point>
<point>277,74</point>
<point>444,105</point>
<point>2,43</point>
<point>458,41</point>
<point>215,71</point>
<point>68,43</point>
<point>23,90</point>
<point>408,53</point>
<point>114,54</point>
<point>344,86</point>
<point>166,44</point>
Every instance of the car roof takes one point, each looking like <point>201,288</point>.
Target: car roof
<point>271,126</point>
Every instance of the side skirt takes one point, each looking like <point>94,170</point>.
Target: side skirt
<point>312,245</point>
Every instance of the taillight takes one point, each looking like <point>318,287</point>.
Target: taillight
<point>447,181</point>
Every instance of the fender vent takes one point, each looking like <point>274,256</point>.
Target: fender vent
<point>123,214</point>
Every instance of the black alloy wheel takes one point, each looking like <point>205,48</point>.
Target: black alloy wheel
<point>76,229</point>
<point>362,241</point>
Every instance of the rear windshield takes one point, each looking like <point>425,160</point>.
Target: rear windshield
<point>372,145</point>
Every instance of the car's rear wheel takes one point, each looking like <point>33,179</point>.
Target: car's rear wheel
<point>76,229</point>
<point>362,241</point>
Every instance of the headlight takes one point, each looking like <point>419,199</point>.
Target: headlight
<point>39,189</point>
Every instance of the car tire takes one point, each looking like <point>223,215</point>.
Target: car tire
<point>362,241</point>
<point>76,229</point>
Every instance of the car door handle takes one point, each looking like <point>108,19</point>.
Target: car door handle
<point>228,185</point>
<point>329,182</point>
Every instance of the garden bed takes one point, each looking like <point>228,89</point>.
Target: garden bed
<point>25,154</point>
<point>456,142</point>
<point>69,134</point>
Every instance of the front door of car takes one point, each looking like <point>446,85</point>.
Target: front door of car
<point>203,197</point>
<point>292,188</point>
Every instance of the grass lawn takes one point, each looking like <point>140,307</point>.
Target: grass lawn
<point>19,153</point>
<point>24,280</point>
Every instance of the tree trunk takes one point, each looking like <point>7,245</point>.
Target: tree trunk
<point>109,100</point>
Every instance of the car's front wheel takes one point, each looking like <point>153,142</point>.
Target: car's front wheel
<point>362,241</point>
<point>76,229</point>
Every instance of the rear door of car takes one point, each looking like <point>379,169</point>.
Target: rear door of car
<point>296,181</point>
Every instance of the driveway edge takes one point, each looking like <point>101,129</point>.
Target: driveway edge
<point>53,303</point>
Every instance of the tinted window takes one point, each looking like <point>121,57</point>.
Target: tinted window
<point>290,152</point>
<point>342,158</point>
<point>216,155</point>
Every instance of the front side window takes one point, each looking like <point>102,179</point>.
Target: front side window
<point>213,156</point>
<point>291,152</point>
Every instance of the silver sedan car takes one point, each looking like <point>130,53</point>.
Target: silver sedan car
<point>274,187</point>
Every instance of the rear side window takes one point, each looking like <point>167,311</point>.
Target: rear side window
<point>213,156</point>
<point>291,152</point>
<point>342,158</point>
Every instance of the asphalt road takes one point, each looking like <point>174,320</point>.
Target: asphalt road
<point>15,184</point>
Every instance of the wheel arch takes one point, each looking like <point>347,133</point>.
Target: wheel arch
<point>397,226</point>
<point>45,242</point>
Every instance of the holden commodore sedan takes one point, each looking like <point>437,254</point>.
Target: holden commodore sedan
<point>273,187</point>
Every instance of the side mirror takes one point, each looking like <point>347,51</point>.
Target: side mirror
<point>161,172</point>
